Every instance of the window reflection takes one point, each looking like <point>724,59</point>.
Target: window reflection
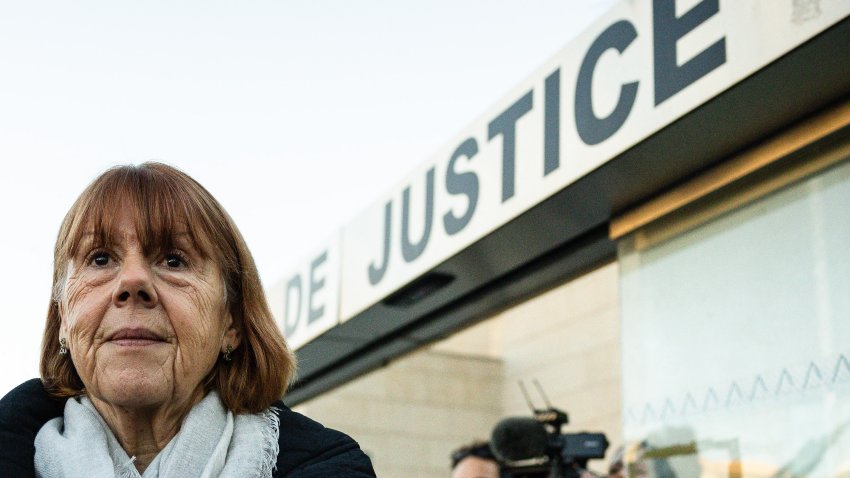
<point>736,340</point>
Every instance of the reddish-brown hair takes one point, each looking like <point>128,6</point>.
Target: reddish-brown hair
<point>165,201</point>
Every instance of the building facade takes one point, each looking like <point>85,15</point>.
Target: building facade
<point>652,226</point>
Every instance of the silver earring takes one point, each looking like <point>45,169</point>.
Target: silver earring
<point>226,355</point>
<point>63,346</point>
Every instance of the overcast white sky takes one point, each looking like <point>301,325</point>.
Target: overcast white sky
<point>295,114</point>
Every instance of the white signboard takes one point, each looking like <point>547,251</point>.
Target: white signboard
<point>642,66</point>
<point>305,303</point>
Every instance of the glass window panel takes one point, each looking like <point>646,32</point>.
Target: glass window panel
<point>736,340</point>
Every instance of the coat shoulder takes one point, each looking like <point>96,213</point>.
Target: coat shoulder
<point>23,411</point>
<point>309,449</point>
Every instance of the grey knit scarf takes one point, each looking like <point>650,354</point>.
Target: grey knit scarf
<point>212,442</point>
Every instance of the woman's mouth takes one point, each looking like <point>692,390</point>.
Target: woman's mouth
<point>135,337</point>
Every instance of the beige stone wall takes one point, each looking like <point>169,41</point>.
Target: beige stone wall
<point>410,415</point>
<point>568,339</point>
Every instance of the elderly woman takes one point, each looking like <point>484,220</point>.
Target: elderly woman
<point>160,356</point>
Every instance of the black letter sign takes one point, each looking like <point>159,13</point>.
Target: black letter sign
<point>464,183</point>
<point>670,78</point>
<point>377,273</point>
<point>505,125</point>
<point>592,129</point>
<point>409,250</point>
<point>315,286</point>
<point>552,123</point>
<point>292,286</point>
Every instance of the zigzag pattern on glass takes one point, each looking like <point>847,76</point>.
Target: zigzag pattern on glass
<point>789,381</point>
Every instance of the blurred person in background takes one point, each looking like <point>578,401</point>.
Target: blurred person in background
<point>475,460</point>
<point>616,469</point>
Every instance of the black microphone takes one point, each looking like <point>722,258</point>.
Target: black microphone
<point>519,438</point>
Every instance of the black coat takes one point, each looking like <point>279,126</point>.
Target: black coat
<point>307,449</point>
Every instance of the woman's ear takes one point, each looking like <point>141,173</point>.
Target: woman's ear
<point>232,335</point>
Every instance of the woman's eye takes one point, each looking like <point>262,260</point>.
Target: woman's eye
<point>174,261</point>
<point>100,259</point>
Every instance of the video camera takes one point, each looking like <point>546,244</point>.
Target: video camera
<point>535,447</point>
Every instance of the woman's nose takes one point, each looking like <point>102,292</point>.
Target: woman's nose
<point>135,285</point>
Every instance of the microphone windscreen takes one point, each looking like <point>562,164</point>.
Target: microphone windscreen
<point>519,438</point>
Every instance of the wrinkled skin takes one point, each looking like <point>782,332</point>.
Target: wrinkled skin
<point>143,332</point>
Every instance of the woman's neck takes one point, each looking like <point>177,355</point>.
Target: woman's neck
<point>144,432</point>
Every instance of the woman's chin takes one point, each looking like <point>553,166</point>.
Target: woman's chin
<point>135,387</point>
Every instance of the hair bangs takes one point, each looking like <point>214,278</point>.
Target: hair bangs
<point>160,209</point>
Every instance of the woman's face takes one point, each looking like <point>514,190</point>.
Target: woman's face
<point>144,330</point>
